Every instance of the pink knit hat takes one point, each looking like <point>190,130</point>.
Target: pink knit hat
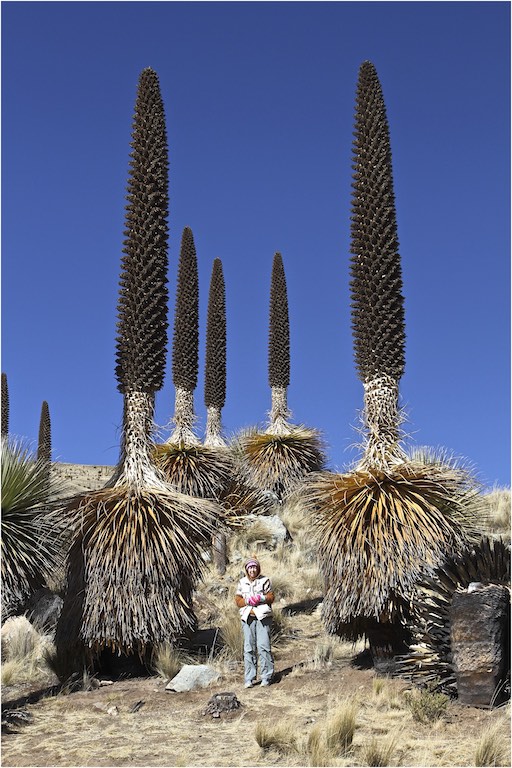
<point>252,561</point>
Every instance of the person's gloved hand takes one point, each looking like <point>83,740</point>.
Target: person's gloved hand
<point>253,600</point>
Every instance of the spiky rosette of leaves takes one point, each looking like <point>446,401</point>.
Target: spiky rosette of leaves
<point>30,550</point>
<point>44,443</point>
<point>215,366</point>
<point>379,532</point>
<point>137,560</point>
<point>5,406</point>
<point>279,463</point>
<point>429,659</point>
<point>197,470</point>
<point>142,306</point>
<point>376,285</point>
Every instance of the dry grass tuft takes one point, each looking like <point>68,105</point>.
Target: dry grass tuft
<point>341,727</point>
<point>168,660</point>
<point>490,749</point>
<point>276,737</point>
<point>498,503</point>
<point>379,753</point>
<point>426,705</point>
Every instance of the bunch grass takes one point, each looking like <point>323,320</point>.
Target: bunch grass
<point>490,749</point>
<point>276,737</point>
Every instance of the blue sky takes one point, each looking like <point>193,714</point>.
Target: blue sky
<point>259,101</point>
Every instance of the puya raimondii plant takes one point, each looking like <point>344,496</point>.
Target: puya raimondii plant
<point>391,518</point>
<point>279,458</point>
<point>136,552</point>
<point>188,465</point>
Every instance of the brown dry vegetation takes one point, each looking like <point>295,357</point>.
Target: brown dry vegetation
<point>321,684</point>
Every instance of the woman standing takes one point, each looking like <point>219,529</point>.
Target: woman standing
<point>254,598</point>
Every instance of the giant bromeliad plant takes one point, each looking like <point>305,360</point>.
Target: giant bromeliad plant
<point>136,550</point>
<point>279,458</point>
<point>393,518</point>
<point>189,466</point>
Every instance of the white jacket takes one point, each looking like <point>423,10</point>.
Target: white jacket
<point>260,586</point>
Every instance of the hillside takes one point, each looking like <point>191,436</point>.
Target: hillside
<point>135,721</point>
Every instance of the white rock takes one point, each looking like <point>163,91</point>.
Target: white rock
<point>192,676</point>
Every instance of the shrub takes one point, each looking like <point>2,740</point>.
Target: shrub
<point>427,705</point>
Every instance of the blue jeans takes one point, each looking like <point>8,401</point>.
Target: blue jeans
<point>257,642</point>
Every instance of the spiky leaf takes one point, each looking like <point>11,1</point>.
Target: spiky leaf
<point>215,366</point>
<point>196,470</point>
<point>376,285</point>
<point>142,305</point>
<point>279,463</point>
<point>279,328</point>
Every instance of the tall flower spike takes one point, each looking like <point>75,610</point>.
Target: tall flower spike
<point>376,286</point>
<point>215,367</point>
<point>186,340</point>
<point>142,326</point>
<point>5,406</point>
<point>279,349</point>
<point>44,443</point>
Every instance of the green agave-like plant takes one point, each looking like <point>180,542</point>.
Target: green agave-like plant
<point>394,517</point>
<point>30,545</point>
<point>278,459</point>
<point>136,552</point>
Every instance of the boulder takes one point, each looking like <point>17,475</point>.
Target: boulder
<point>278,533</point>
<point>192,676</point>
<point>43,610</point>
<point>479,621</point>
